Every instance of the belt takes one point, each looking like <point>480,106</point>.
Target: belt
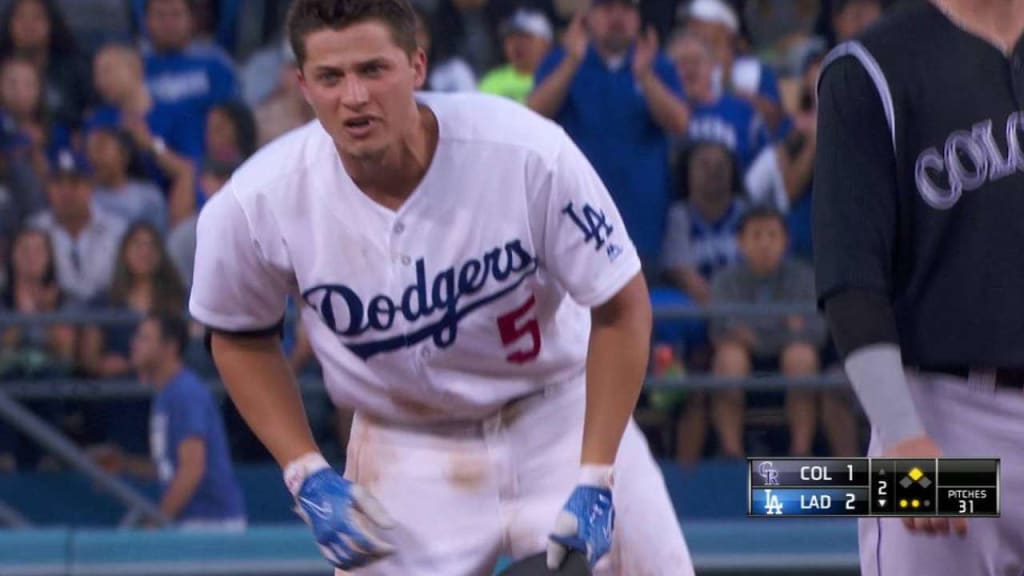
<point>1012,378</point>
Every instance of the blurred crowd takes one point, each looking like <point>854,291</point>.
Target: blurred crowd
<point>119,119</point>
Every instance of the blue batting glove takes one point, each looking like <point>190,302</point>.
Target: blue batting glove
<point>345,519</point>
<point>586,521</point>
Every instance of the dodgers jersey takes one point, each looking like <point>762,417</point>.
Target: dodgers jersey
<point>471,294</point>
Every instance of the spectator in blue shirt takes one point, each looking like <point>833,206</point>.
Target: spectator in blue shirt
<point>745,76</point>
<point>717,116</point>
<point>179,71</point>
<point>189,450</point>
<point>620,100</point>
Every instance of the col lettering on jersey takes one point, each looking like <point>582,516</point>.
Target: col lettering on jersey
<point>442,301</point>
<point>967,161</point>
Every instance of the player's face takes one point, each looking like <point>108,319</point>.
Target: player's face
<point>360,84</point>
<point>763,243</point>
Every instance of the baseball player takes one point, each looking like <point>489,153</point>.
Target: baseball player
<point>918,190</point>
<point>469,289</point>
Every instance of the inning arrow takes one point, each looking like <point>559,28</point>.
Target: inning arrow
<point>881,503</point>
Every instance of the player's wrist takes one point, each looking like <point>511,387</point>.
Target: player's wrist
<point>296,471</point>
<point>599,475</point>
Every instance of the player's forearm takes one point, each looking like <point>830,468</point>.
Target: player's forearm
<point>616,365</point>
<point>866,336</point>
<point>548,96</point>
<point>260,382</point>
<point>668,111</point>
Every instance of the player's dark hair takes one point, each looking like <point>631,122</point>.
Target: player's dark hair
<point>173,328</point>
<point>760,212</point>
<point>308,16</point>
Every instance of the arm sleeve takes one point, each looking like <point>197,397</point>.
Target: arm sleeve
<point>768,86</point>
<point>585,245</point>
<point>234,288</point>
<point>855,195</point>
<point>189,410</point>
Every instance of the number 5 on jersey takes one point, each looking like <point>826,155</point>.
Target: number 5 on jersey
<point>517,325</point>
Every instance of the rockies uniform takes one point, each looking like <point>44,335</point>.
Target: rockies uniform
<point>455,326</point>
<point>918,195</point>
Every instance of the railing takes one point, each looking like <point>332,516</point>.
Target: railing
<point>139,507</point>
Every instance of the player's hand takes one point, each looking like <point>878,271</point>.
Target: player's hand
<point>345,519</point>
<point>584,524</point>
<point>643,55</point>
<point>925,447</point>
<point>575,39</point>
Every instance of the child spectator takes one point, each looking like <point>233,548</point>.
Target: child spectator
<point>788,344</point>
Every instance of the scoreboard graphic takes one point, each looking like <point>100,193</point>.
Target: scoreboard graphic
<point>799,487</point>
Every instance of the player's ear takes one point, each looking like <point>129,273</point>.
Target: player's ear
<point>302,84</point>
<point>418,59</point>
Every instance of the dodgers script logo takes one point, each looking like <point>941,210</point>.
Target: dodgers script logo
<point>442,300</point>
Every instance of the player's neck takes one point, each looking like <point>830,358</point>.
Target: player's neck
<point>1000,22</point>
<point>390,179</point>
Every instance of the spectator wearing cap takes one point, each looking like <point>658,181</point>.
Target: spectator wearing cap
<point>789,344</point>
<point>179,71</point>
<point>716,115</point>
<point>621,101</point>
<point>527,39</point>
<point>118,188</point>
<point>745,76</point>
<point>85,237</point>
<point>169,139</point>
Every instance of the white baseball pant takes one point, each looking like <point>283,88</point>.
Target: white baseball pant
<point>464,495</point>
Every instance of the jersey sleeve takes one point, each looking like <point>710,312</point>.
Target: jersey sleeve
<point>189,412</point>
<point>234,288</point>
<point>855,189</point>
<point>585,245</point>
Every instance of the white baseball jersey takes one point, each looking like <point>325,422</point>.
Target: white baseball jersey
<point>466,297</point>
